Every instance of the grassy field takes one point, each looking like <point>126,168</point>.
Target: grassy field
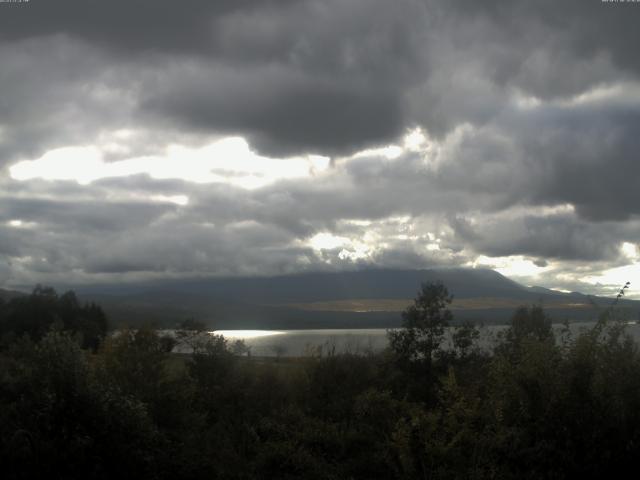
<point>398,305</point>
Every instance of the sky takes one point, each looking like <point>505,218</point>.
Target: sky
<point>148,139</point>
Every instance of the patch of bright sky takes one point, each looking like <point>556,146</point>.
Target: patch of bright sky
<point>181,200</point>
<point>512,266</point>
<point>630,251</point>
<point>17,223</point>
<point>390,151</point>
<point>623,92</point>
<point>615,278</point>
<point>327,241</point>
<point>618,276</point>
<point>356,251</point>
<point>358,222</point>
<point>413,141</point>
<point>518,211</point>
<point>617,92</point>
<point>351,249</point>
<point>229,160</point>
<point>399,219</point>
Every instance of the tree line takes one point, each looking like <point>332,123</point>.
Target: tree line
<point>76,402</point>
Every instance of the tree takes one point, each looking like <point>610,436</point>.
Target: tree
<point>416,348</point>
<point>240,348</point>
<point>530,322</point>
<point>192,335</point>
<point>424,324</point>
<point>37,313</point>
<point>59,420</point>
<point>464,340</point>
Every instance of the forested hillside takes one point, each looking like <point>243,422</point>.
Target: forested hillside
<point>75,403</point>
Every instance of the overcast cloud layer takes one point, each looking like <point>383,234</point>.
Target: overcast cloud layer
<point>152,139</point>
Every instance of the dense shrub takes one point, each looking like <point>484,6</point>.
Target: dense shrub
<point>534,407</point>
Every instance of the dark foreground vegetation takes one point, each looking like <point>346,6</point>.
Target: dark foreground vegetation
<point>77,403</point>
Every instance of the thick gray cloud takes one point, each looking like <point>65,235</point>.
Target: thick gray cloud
<point>531,112</point>
<point>120,25</point>
<point>328,75</point>
<point>289,112</point>
<point>554,236</point>
<point>294,76</point>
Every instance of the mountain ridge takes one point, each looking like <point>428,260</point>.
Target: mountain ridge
<point>314,300</point>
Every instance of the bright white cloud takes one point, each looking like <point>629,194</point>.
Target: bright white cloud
<point>511,266</point>
<point>229,160</point>
<point>232,161</point>
<point>82,164</point>
<point>390,152</point>
<point>350,249</point>
<point>177,199</point>
<point>415,140</point>
<point>613,279</point>
<point>327,241</point>
<point>629,250</point>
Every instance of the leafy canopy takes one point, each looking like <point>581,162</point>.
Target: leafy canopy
<point>423,323</point>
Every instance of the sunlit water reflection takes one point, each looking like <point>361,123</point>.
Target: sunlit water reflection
<point>295,343</point>
<point>246,334</point>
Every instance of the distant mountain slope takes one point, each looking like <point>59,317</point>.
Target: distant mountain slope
<point>9,294</point>
<point>463,283</point>
<point>368,298</point>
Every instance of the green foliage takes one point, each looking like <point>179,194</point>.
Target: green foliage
<point>530,322</point>
<point>416,348</point>
<point>34,315</point>
<point>57,418</point>
<point>534,407</point>
<point>423,325</point>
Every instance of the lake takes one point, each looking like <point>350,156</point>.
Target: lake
<point>293,343</point>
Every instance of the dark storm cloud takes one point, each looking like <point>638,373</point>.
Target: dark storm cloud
<point>527,105</point>
<point>586,28</point>
<point>289,112</point>
<point>555,236</point>
<point>338,75</point>
<point>334,76</point>
<point>10,241</point>
<point>82,215</point>
<point>248,248</point>
<point>583,154</point>
<point>481,53</point>
<point>127,26</point>
<point>307,76</point>
<point>587,157</point>
<point>51,96</point>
